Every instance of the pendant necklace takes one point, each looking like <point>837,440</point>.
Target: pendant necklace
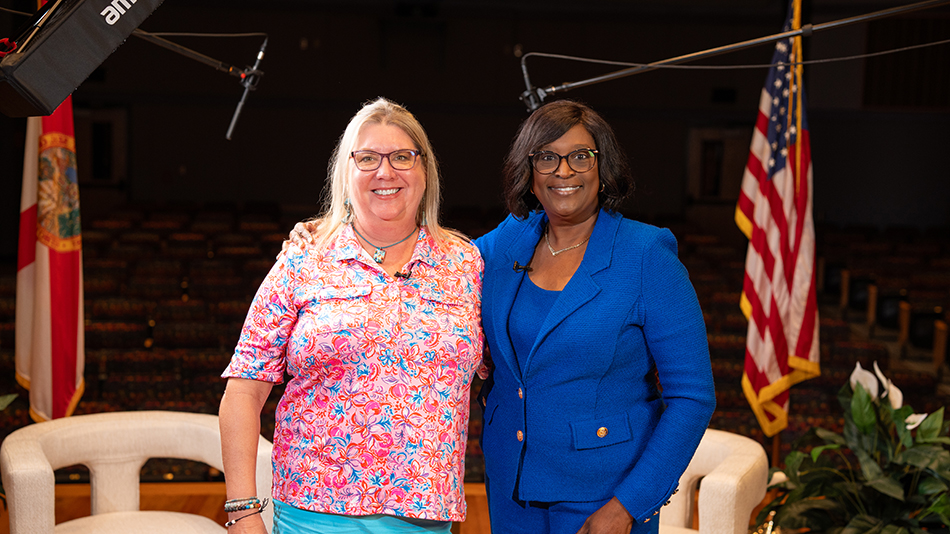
<point>380,254</point>
<point>556,252</point>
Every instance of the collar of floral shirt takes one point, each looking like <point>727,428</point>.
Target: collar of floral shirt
<point>347,247</point>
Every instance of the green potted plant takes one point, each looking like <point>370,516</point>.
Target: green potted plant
<point>888,473</point>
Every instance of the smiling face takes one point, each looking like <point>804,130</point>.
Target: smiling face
<point>566,195</point>
<point>386,195</point>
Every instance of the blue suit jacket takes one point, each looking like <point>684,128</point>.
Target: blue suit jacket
<point>585,419</point>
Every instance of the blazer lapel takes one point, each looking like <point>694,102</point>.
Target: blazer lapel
<point>520,250</point>
<point>581,288</point>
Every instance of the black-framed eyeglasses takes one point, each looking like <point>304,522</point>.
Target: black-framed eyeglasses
<point>370,160</point>
<point>580,160</point>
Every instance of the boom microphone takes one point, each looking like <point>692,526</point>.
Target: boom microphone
<point>249,79</point>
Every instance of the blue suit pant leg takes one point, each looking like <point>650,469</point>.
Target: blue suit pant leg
<point>511,516</point>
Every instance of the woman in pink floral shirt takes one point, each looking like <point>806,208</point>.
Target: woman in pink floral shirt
<point>378,327</point>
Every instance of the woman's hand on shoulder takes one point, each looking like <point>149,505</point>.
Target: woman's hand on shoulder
<point>301,236</point>
<point>611,518</point>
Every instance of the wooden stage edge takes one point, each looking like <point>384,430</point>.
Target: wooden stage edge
<point>207,499</point>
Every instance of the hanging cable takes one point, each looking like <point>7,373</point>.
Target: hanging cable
<point>734,67</point>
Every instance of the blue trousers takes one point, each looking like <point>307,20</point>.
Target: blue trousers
<point>511,516</point>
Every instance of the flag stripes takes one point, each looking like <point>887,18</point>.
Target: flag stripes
<point>774,211</point>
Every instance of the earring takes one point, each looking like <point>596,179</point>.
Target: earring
<point>602,186</point>
<point>348,215</point>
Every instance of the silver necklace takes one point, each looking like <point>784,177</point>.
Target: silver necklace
<point>556,252</point>
<point>380,254</point>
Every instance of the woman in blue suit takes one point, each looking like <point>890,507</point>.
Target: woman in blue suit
<point>601,386</point>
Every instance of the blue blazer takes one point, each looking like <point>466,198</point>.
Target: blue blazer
<point>586,420</point>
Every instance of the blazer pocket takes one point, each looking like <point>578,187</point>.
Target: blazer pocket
<point>601,432</point>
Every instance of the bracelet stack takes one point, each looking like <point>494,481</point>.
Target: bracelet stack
<point>239,505</point>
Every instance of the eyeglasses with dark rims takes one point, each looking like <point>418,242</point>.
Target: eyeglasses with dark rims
<point>370,160</point>
<point>580,160</point>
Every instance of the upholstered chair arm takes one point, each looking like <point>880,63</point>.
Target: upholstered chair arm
<point>732,490</point>
<point>29,484</point>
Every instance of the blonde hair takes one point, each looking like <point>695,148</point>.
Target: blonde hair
<point>380,111</point>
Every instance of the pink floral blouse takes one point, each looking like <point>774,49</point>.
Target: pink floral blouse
<point>374,419</point>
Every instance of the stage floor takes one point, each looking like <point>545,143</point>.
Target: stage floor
<point>207,499</point>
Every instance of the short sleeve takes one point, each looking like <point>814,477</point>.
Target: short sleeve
<point>260,353</point>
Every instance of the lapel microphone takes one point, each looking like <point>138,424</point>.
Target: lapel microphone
<point>521,268</point>
<point>404,276</point>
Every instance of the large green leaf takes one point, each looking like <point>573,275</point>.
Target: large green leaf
<point>863,524</point>
<point>869,467</point>
<point>862,410</point>
<point>793,463</point>
<point>829,436</point>
<point>906,436</point>
<point>816,452</point>
<point>930,486</point>
<point>856,439</point>
<point>924,456</point>
<point>809,513</point>
<point>931,427</point>
<point>888,486</point>
<point>844,396</point>
<point>5,400</point>
<point>941,506</point>
<point>943,467</point>
<point>875,477</point>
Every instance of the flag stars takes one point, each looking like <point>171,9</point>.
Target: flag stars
<point>775,101</point>
<point>774,146</point>
<point>777,83</point>
<point>781,110</point>
<point>784,152</point>
<point>771,163</point>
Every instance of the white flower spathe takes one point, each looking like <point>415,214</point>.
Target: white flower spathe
<point>894,395</point>
<point>913,420</point>
<point>865,378</point>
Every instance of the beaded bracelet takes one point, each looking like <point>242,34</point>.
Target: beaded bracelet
<point>262,505</point>
<point>236,505</point>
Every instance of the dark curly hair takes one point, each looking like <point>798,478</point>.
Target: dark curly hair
<point>546,125</point>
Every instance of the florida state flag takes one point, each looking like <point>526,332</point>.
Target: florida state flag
<point>49,299</point>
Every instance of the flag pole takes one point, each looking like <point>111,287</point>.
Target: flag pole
<point>774,212</point>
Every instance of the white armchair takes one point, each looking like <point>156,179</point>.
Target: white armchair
<point>734,471</point>
<point>114,446</point>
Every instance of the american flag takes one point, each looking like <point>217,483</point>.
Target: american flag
<point>775,213</point>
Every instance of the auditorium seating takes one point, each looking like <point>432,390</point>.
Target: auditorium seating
<point>167,289</point>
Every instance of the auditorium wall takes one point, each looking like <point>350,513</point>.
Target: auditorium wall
<point>456,65</point>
